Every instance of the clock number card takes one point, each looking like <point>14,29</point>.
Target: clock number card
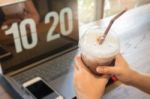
<point>31,30</point>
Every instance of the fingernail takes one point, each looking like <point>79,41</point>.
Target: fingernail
<point>78,55</point>
<point>99,70</point>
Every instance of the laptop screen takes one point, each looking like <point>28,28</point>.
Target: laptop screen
<point>31,30</point>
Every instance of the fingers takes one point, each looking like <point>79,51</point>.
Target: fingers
<point>75,67</point>
<point>105,76</point>
<point>119,58</point>
<point>107,70</point>
<point>120,61</point>
<point>78,63</point>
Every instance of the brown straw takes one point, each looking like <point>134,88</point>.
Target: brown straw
<point>110,24</point>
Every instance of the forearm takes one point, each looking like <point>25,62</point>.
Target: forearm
<point>89,96</point>
<point>140,81</point>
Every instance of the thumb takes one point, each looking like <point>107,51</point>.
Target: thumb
<point>107,70</point>
<point>79,63</point>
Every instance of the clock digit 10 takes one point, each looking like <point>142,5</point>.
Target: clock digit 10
<point>19,31</point>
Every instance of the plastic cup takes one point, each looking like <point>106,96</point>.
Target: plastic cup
<point>93,53</point>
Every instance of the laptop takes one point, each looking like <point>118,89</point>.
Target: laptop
<point>39,38</point>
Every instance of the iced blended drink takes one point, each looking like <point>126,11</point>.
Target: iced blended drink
<point>95,54</point>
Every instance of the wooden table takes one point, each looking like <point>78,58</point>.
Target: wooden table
<point>133,29</point>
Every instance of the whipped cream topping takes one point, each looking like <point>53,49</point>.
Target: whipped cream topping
<point>89,44</point>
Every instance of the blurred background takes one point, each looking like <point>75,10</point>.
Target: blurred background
<point>84,11</point>
<point>91,10</point>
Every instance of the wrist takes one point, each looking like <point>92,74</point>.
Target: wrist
<point>94,97</point>
<point>88,97</point>
<point>91,97</point>
<point>133,76</point>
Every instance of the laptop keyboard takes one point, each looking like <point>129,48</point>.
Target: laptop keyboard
<point>49,70</point>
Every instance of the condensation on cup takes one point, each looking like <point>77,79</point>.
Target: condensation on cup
<point>93,53</point>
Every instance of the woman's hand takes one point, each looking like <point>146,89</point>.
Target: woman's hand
<point>121,70</point>
<point>87,85</point>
